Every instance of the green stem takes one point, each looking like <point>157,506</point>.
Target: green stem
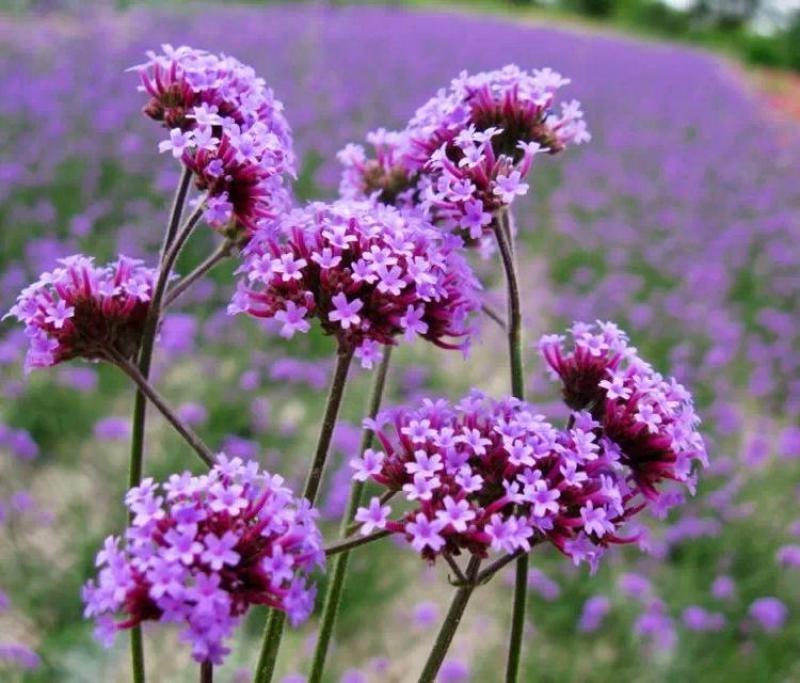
<point>273,631</point>
<point>450,624</point>
<point>220,254</point>
<point>188,434</point>
<point>140,403</point>
<point>178,203</point>
<point>344,547</point>
<point>505,243</point>
<point>333,597</point>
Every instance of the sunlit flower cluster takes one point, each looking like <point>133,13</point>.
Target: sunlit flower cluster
<point>201,550</point>
<point>80,310</point>
<point>368,273</point>
<point>465,154</point>
<point>487,475</point>
<point>227,127</point>
<point>650,419</point>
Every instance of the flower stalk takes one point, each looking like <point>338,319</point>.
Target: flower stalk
<point>273,631</point>
<point>451,623</point>
<point>140,401</point>
<point>505,243</point>
<point>333,596</point>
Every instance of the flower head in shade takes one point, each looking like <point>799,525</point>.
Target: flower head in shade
<point>227,127</point>
<point>466,152</point>
<point>201,550</point>
<point>649,420</point>
<point>367,273</point>
<point>487,475</point>
<point>80,310</point>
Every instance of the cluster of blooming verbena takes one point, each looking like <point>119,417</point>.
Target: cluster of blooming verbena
<point>227,127</point>
<point>368,273</point>
<point>494,475</point>
<point>81,310</point>
<point>201,550</point>
<point>651,419</point>
<point>465,153</point>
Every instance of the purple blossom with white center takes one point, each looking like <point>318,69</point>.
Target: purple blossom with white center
<point>367,273</point>
<point>221,542</point>
<point>80,310</point>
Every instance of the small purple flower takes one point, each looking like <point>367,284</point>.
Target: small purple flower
<point>374,517</point>
<point>594,612</point>
<point>769,613</point>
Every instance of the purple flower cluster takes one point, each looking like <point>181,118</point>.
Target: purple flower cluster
<point>465,153</point>
<point>368,273</point>
<point>493,475</point>
<point>80,310</point>
<point>201,550</point>
<point>227,127</point>
<point>650,420</point>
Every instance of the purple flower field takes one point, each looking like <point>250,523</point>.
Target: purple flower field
<point>679,220</point>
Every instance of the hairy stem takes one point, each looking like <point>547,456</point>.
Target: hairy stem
<point>333,597</point>
<point>273,631</point>
<point>505,243</point>
<point>140,402</point>
<point>205,453</point>
<point>450,624</point>
<point>219,254</point>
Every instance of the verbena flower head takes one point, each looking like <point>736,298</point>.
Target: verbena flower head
<point>227,127</point>
<point>201,550</point>
<point>80,310</point>
<point>367,273</point>
<point>493,475</point>
<point>465,153</point>
<point>650,419</point>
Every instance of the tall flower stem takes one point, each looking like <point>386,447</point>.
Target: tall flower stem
<point>140,402</point>
<point>505,243</point>
<point>219,254</point>
<point>450,624</point>
<point>273,631</point>
<point>333,597</point>
<point>206,672</point>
